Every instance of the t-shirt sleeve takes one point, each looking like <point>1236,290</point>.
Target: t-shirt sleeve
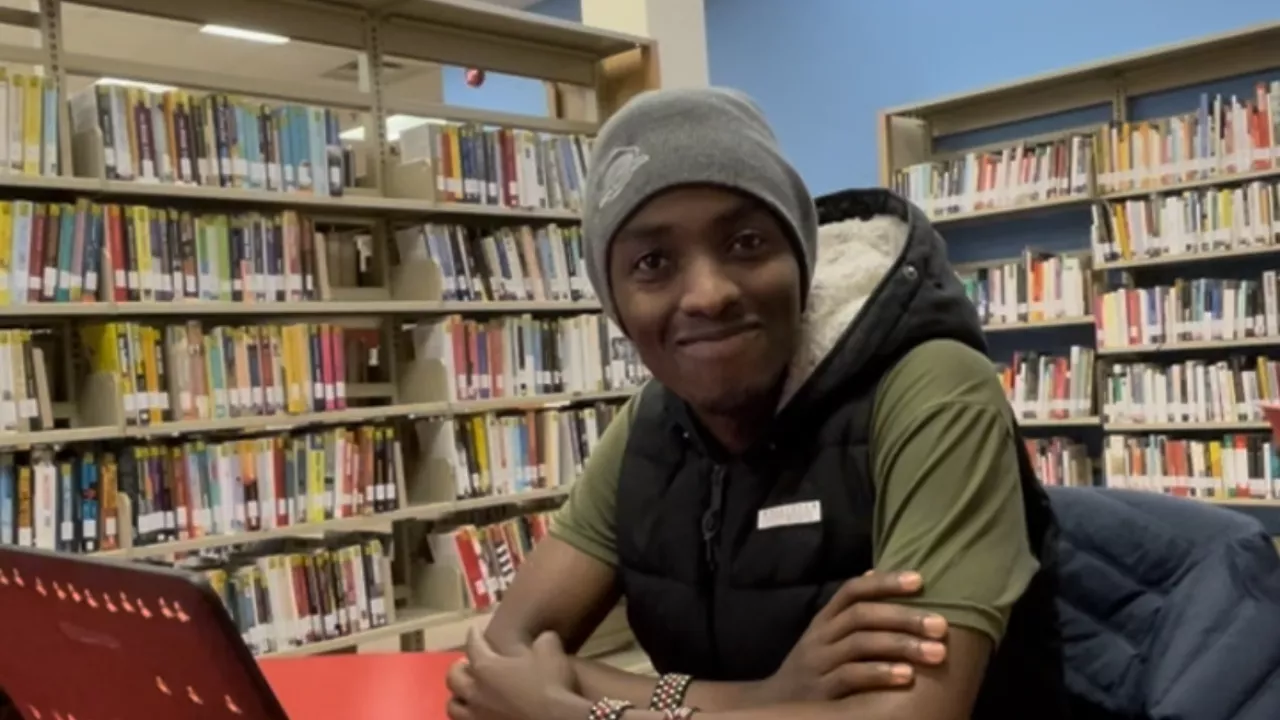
<point>948,496</point>
<point>586,521</point>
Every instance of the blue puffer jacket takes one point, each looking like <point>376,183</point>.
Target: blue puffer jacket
<point>1170,608</point>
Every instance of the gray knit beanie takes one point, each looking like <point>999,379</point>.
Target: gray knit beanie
<point>691,136</point>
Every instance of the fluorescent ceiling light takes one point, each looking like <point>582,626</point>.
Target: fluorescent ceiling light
<point>241,34</point>
<point>396,124</point>
<point>121,82</point>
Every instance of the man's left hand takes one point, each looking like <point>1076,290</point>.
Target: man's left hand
<point>525,686</point>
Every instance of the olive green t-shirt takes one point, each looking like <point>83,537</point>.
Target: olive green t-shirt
<point>948,498</point>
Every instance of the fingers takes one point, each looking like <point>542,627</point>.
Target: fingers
<point>477,648</point>
<point>885,617</point>
<point>872,586</point>
<point>461,686</point>
<point>458,711</point>
<point>889,647</point>
<point>459,681</point>
<point>859,677</point>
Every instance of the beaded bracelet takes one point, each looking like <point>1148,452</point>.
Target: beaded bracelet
<point>669,693</point>
<point>680,713</point>
<point>609,709</point>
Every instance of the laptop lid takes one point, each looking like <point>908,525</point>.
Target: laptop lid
<point>84,638</point>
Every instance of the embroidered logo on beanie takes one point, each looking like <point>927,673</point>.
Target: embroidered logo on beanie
<point>619,167</point>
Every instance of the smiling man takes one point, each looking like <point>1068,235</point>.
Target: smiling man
<point>822,407</point>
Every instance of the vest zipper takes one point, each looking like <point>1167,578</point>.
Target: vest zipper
<point>711,519</point>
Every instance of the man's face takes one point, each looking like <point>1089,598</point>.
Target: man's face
<point>707,286</point>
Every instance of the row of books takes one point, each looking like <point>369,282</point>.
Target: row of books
<point>1237,466</point>
<point>25,397</point>
<point>1189,310</point>
<point>501,166</point>
<point>216,140</point>
<point>510,263</point>
<point>29,134</point>
<point>188,489</point>
<point>162,255</point>
<point>305,592</point>
<point>1020,174</point>
<point>1187,224</point>
<point>1224,135</point>
<point>59,252</point>
<point>1191,391</point>
<point>524,355</point>
<point>63,502</point>
<point>487,557</point>
<point>1048,387</point>
<point>187,371</point>
<point>85,251</point>
<point>504,454</point>
<point>55,252</point>
<point>1036,287</point>
<point>1060,461</point>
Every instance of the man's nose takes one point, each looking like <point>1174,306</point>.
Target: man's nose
<point>708,289</point>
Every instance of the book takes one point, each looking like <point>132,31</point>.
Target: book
<point>1188,225</point>
<point>179,137</point>
<point>1043,386</point>
<point>513,453</point>
<point>1190,310</point>
<point>538,263</point>
<point>69,500</point>
<point>1019,174</point>
<point>513,356</point>
<point>87,251</point>
<point>1234,389</point>
<point>487,557</point>
<point>196,371</point>
<point>501,166</point>
<point>29,128</point>
<point>305,592</point>
<point>1232,466</point>
<point>1034,288</point>
<point>1061,462</point>
<point>1220,136</point>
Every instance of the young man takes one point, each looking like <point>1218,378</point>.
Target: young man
<point>821,407</point>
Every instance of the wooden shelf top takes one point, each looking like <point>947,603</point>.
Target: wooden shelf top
<point>1106,72</point>
<point>1085,421</point>
<point>1038,324</point>
<point>187,309</point>
<point>493,19</point>
<point>285,423</point>
<point>458,32</point>
<point>374,523</point>
<point>355,202</point>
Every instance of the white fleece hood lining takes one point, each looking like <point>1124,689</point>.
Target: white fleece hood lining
<point>852,257</point>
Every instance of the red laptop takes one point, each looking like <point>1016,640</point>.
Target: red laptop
<point>88,638</point>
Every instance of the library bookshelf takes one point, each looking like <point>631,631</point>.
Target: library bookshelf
<point>1118,227</point>
<point>345,379</point>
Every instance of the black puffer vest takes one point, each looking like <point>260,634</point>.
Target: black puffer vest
<point>709,595</point>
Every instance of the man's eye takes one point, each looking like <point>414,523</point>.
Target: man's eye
<point>747,241</point>
<point>650,262</point>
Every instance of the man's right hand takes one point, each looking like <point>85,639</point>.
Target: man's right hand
<point>859,643</point>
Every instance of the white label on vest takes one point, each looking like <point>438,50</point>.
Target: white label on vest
<point>801,513</point>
